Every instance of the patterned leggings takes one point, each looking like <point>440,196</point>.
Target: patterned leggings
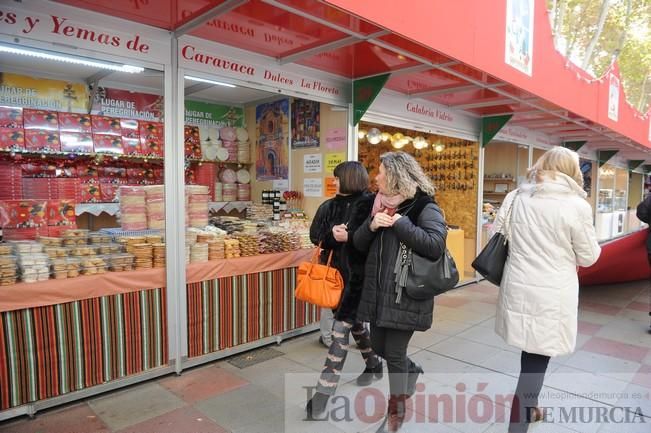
<point>339,350</point>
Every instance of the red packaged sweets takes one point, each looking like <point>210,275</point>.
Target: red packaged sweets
<point>74,122</point>
<point>130,128</point>
<point>41,139</point>
<point>40,119</point>
<point>24,213</point>
<point>131,146</point>
<point>76,142</point>
<point>106,125</point>
<point>107,143</point>
<point>61,212</point>
<point>90,193</point>
<point>11,138</point>
<point>11,117</point>
<point>151,130</point>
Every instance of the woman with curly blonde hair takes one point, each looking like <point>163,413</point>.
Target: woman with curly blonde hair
<point>404,213</point>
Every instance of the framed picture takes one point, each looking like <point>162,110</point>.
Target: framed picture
<point>501,187</point>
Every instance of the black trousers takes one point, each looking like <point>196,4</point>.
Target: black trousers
<point>530,382</point>
<point>391,344</point>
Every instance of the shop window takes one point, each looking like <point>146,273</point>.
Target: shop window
<point>76,173</point>
<point>452,165</point>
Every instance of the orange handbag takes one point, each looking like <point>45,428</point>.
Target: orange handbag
<point>319,284</point>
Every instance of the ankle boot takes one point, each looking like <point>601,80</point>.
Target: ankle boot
<point>395,415</point>
<point>316,405</point>
<point>367,376</point>
<point>415,370</point>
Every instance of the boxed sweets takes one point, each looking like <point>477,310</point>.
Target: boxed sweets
<point>38,140</point>
<point>59,268</point>
<point>130,128</point>
<point>11,117</point>
<point>99,238</point>
<point>106,125</point>
<point>56,252</point>
<point>73,266</point>
<point>74,237</point>
<point>92,265</point>
<point>104,143</point>
<point>5,248</point>
<point>27,247</point>
<point>79,142</point>
<point>48,241</point>
<point>120,262</point>
<point>11,138</point>
<point>40,119</point>
<point>74,122</point>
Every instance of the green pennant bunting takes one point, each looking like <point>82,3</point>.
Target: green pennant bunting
<point>646,168</point>
<point>491,125</point>
<point>364,93</point>
<point>574,145</point>
<point>634,163</point>
<point>603,156</point>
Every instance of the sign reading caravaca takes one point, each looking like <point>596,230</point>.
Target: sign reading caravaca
<point>230,62</point>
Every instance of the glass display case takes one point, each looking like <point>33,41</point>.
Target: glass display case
<point>606,189</point>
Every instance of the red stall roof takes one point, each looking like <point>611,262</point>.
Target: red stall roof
<point>452,53</point>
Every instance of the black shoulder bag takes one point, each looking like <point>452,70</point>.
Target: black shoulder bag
<point>424,278</point>
<point>491,260</point>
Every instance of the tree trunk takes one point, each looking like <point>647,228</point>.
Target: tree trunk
<point>559,16</point>
<point>642,101</point>
<point>622,37</point>
<point>605,5</point>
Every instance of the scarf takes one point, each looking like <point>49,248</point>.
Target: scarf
<point>383,202</point>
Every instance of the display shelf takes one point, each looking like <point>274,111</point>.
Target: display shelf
<point>50,292</point>
<point>495,193</point>
<point>228,206</point>
<point>497,179</point>
<point>97,208</point>
<point>211,161</point>
<point>78,155</point>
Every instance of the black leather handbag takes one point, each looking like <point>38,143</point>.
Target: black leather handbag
<point>428,278</point>
<point>491,260</point>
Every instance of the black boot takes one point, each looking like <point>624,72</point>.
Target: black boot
<point>316,405</point>
<point>395,415</point>
<point>366,378</point>
<point>415,370</point>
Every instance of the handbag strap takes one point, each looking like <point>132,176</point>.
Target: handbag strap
<point>317,253</point>
<point>507,219</point>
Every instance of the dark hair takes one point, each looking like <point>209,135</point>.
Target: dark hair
<point>353,177</point>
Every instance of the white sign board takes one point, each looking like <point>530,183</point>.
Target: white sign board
<point>79,28</point>
<point>225,61</point>
<point>518,49</point>
<point>313,187</point>
<point>613,98</point>
<point>312,163</point>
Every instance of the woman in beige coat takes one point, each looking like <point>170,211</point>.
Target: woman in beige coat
<point>550,232</point>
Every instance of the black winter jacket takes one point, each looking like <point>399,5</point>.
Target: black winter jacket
<point>421,228</point>
<point>644,215</point>
<point>352,210</point>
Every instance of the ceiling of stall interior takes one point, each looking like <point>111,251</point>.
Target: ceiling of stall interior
<point>318,35</point>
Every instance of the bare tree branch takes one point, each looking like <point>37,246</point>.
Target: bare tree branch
<point>605,6</point>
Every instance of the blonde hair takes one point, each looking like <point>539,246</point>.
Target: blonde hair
<point>404,175</point>
<point>557,160</point>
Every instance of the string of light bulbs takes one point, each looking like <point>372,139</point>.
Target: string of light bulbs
<point>398,140</point>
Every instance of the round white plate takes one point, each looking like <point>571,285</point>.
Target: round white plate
<point>211,152</point>
<point>242,134</point>
<point>243,176</point>
<point>222,154</point>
